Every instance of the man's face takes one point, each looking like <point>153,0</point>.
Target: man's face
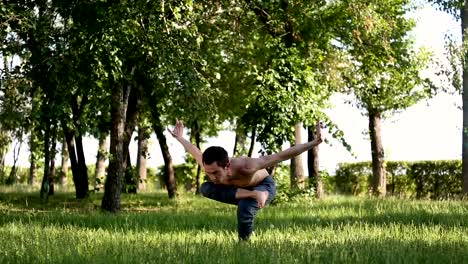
<point>215,171</point>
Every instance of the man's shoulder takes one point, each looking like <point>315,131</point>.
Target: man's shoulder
<point>240,161</point>
<point>243,165</point>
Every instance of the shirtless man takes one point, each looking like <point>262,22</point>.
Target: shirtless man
<point>241,181</point>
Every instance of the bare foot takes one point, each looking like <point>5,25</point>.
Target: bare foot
<point>261,197</point>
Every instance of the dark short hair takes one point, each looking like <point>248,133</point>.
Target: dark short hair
<point>217,154</point>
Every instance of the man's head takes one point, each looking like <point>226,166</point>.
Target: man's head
<point>215,161</point>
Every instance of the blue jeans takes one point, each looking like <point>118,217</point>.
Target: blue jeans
<point>246,208</point>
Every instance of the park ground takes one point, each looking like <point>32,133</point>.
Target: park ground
<point>153,229</point>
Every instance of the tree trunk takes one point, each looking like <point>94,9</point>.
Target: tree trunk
<point>32,160</point>
<point>64,167</point>
<point>197,137</point>
<point>315,179</point>
<point>116,170</point>
<point>13,172</point>
<point>75,148</point>
<point>378,170</point>
<point>141,157</point>
<point>78,180</point>
<point>131,120</point>
<point>252,141</point>
<point>100,171</point>
<point>236,140</point>
<point>83,169</point>
<point>3,151</point>
<point>297,169</point>
<point>169,177</point>
<point>464,19</point>
<point>239,143</point>
<point>45,178</point>
<point>53,147</point>
<point>130,184</point>
<point>32,147</point>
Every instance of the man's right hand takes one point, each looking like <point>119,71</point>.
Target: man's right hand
<point>178,129</point>
<point>318,132</point>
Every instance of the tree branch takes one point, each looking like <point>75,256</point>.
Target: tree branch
<point>264,17</point>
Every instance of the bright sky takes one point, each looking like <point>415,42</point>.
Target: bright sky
<point>427,131</point>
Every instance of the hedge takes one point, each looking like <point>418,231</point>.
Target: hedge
<point>420,179</point>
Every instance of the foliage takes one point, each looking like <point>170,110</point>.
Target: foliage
<point>451,75</point>
<point>285,194</point>
<point>384,67</point>
<point>452,7</point>
<point>184,174</point>
<point>353,178</point>
<point>421,179</point>
<point>261,65</point>
<point>22,175</point>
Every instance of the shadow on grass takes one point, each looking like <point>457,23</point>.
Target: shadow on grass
<point>154,211</point>
<point>67,200</point>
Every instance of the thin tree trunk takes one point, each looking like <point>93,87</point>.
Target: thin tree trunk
<point>64,163</point>
<point>236,141</point>
<point>130,183</point>
<point>198,143</point>
<point>77,179</point>
<point>169,176</point>
<point>83,169</point>
<point>3,151</point>
<point>252,141</point>
<point>100,171</point>
<point>75,148</point>
<point>464,19</point>
<point>131,120</point>
<point>315,179</point>
<point>32,147</point>
<point>197,137</point>
<point>32,160</point>
<point>116,170</point>
<point>141,157</point>
<point>297,169</point>
<point>240,142</point>
<point>14,169</point>
<point>52,160</point>
<point>45,178</point>
<point>378,170</point>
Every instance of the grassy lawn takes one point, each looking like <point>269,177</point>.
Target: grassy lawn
<point>153,229</point>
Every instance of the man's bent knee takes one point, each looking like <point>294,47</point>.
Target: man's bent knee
<point>206,189</point>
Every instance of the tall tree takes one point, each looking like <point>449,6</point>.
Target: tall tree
<point>297,170</point>
<point>385,68</point>
<point>313,162</point>
<point>33,158</point>
<point>195,136</point>
<point>64,168</point>
<point>142,155</point>
<point>459,9</point>
<point>114,180</point>
<point>101,157</point>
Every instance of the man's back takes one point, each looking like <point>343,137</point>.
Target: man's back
<point>242,175</point>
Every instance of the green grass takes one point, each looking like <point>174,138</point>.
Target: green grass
<point>153,229</point>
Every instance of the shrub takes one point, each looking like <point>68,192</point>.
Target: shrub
<point>420,179</point>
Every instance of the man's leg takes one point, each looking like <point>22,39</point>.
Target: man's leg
<point>248,207</point>
<point>247,201</point>
<point>220,193</point>
<point>259,196</point>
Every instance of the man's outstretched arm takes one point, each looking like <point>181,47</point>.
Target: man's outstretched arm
<point>177,133</point>
<point>270,160</point>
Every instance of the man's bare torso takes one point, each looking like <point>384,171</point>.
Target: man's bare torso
<point>242,177</point>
